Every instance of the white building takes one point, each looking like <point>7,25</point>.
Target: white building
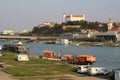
<point>109,36</point>
<point>49,24</point>
<point>75,35</point>
<point>72,17</point>
<point>25,31</point>
<point>8,32</point>
<point>110,24</point>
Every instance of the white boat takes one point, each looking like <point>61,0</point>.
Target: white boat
<point>62,41</point>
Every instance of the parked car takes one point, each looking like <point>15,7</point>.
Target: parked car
<point>83,68</point>
<point>97,71</point>
<point>2,64</point>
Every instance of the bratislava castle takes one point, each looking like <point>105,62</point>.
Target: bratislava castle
<point>73,17</point>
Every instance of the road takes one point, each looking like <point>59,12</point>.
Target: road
<point>5,76</point>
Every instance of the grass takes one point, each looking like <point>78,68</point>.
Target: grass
<point>34,67</point>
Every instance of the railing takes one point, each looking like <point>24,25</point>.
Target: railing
<point>17,37</point>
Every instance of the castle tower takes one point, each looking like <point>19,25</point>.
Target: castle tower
<point>110,24</point>
<point>71,15</point>
<point>64,15</point>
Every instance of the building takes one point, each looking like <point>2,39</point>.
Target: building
<point>113,36</point>
<point>48,24</point>
<point>8,32</point>
<point>75,35</point>
<point>25,31</point>
<point>64,27</point>
<point>110,24</point>
<point>109,36</point>
<point>73,17</point>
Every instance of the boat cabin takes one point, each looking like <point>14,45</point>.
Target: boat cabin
<point>85,59</point>
<point>67,57</point>
<point>48,53</point>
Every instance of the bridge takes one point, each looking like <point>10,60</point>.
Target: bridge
<point>18,37</point>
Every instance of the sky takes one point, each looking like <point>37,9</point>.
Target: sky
<point>18,15</point>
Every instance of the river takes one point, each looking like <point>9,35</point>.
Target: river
<point>108,57</point>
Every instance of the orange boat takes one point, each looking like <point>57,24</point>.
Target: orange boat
<point>48,53</point>
<point>67,57</point>
<point>85,59</point>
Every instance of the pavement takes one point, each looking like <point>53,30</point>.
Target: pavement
<point>5,76</point>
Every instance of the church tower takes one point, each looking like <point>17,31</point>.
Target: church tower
<point>110,24</point>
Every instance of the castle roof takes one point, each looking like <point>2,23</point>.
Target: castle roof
<point>75,16</point>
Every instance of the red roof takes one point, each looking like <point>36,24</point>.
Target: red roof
<point>77,15</point>
<point>115,28</point>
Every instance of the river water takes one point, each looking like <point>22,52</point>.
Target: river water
<point>108,57</point>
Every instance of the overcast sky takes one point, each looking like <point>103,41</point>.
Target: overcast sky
<point>18,15</point>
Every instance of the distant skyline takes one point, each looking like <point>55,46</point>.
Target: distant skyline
<point>18,15</point>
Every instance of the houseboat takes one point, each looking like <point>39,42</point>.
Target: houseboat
<point>18,48</point>
<point>84,59</point>
<point>62,41</point>
<point>48,54</point>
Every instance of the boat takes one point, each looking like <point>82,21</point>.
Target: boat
<point>66,57</point>
<point>18,48</point>
<point>84,59</point>
<point>48,54</point>
<point>62,41</point>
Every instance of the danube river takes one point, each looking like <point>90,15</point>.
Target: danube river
<point>108,57</point>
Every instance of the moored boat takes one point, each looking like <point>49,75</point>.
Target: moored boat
<point>84,59</point>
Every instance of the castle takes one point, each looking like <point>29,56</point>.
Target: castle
<point>72,17</point>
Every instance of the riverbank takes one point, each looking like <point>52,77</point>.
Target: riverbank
<point>40,69</point>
